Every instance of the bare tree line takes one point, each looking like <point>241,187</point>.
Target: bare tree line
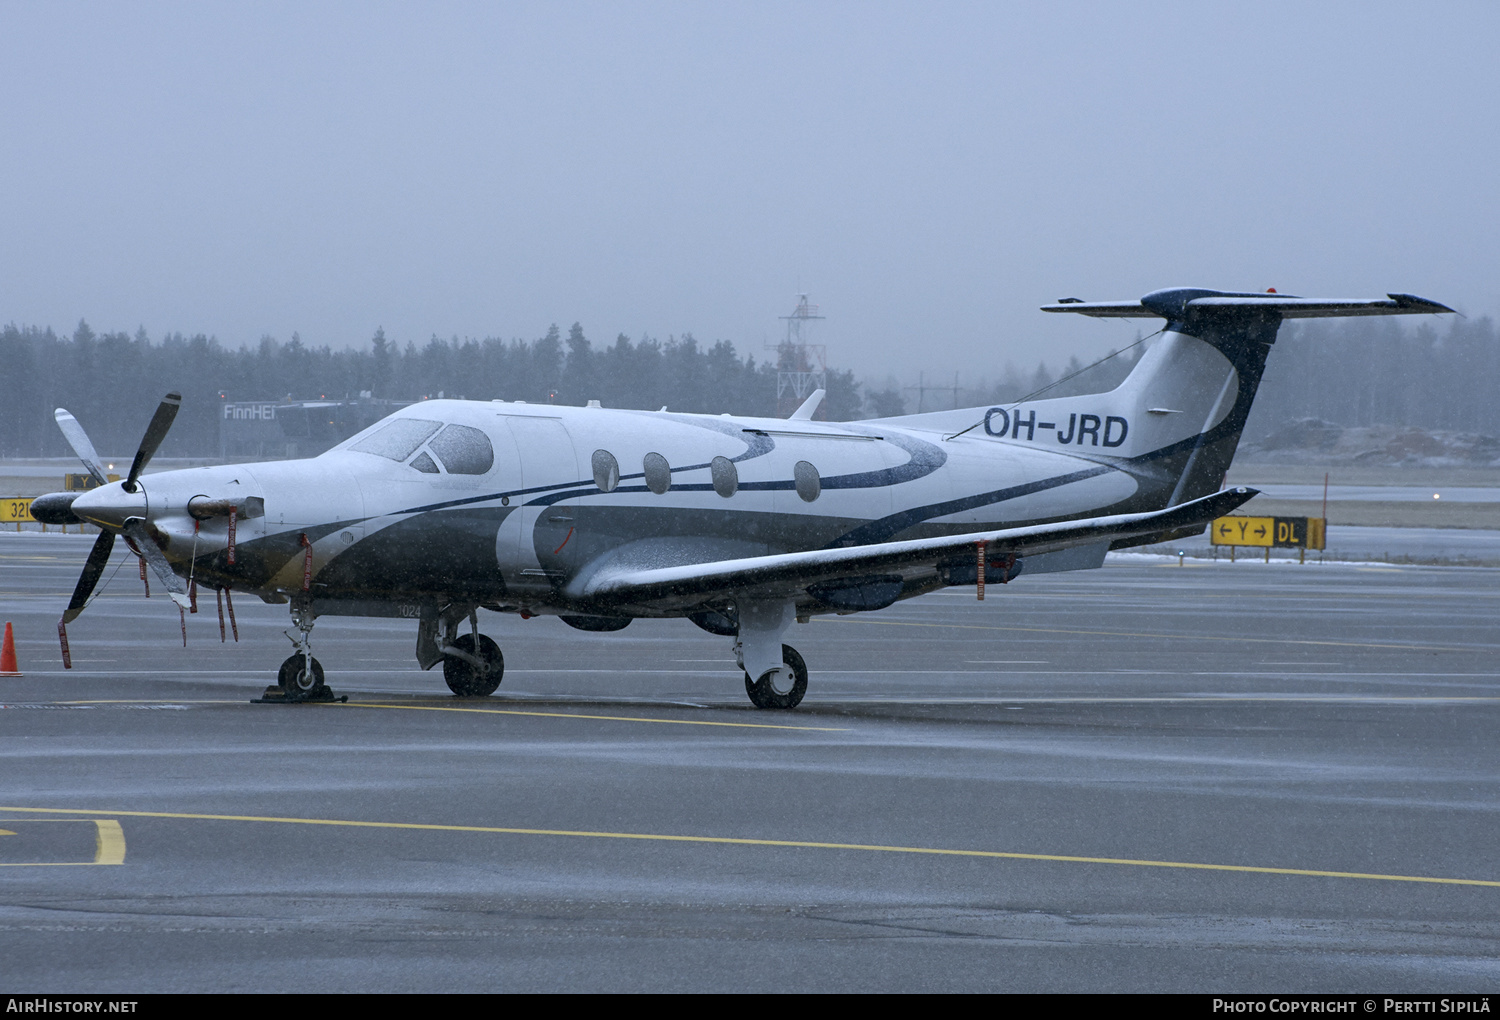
<point>1441,375</point>
<point>113,381</point>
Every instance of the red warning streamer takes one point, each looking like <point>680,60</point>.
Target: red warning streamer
<point>62,639</point>
<point>980,574</point>
<point>229,604</point>
<point>192,583</point>
<point>306,564</point>
<point>231,533</point>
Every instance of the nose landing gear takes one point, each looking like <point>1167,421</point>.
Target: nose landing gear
<point>300,677</point>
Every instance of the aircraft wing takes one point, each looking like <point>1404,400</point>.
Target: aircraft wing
<point>1285,305</point>
<point>788,574</point>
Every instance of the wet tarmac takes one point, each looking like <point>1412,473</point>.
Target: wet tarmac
<point>1211,777</point>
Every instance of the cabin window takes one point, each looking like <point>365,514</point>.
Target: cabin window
<point>726,476</point>
<point>399,439</point>
<point>424,464</point>
<point>658,473</point>
<point>464,450</point>
<point>806,479</point>
<point>606,471</point>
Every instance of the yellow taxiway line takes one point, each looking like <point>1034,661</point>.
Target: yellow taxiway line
<point>458,708</point>
<point>582,715</point>
<point>109,842</point>
<point>109,846</point>
<point>148,701</point>
<point>785,843</point>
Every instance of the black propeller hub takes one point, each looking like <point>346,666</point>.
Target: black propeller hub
<point>55,508</point>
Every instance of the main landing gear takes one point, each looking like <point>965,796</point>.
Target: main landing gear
<point>473,666</point>
<point>780,688</point>
<point>775,675</point>
<point>472,663</point>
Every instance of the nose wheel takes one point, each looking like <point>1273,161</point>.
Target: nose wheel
<point>298,683</point>
<point>780,688</point>
<point>473,666</point>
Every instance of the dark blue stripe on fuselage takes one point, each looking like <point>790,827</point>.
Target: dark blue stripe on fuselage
<point>883,529</point>
<point>925,459</point>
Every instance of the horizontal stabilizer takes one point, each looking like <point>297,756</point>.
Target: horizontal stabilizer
<point>1178,303</point>
<point>785,575</point>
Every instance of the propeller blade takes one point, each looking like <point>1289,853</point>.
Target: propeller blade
<point>135,529</point>
<point>97,561</point>
<point>79,441</point>
<point>161,421</point>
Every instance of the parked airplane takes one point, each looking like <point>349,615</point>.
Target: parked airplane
<point>741,525</point>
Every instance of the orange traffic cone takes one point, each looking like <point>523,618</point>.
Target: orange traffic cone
<point>8,654</point>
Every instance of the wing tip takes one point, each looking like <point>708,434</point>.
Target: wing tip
<point>1413,303</point>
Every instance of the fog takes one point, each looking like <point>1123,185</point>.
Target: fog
<point>929,173</point>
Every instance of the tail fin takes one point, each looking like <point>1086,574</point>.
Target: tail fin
<point>1175,422</point>
<point>1182,408</point>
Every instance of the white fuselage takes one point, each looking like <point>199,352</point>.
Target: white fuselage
<point>502,504</point>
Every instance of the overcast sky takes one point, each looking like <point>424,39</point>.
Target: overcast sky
<point>929,172</point>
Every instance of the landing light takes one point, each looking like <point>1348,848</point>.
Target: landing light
<point>1436,496</point>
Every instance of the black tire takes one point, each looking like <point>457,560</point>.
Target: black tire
<point>294,681</point>
<point>763,695</point>
<point>464,678</point>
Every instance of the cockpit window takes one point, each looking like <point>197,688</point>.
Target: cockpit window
<point>464,450</point>
<point>398,439</point>
<point>424,463</point>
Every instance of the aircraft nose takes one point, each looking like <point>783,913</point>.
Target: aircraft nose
<point>110,505</point>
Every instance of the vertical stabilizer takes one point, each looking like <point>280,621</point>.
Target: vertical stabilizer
<point>1182,409</point>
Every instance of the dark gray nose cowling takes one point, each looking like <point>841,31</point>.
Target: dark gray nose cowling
<point>55,508</point>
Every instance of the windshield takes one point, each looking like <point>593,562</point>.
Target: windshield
<point>398,439</point>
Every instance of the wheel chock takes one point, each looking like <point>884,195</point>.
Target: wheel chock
<point>275,695</point>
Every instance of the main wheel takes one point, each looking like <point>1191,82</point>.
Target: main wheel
<point>295,681</point>
<point>775,690</point>
<point>466,679</point>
